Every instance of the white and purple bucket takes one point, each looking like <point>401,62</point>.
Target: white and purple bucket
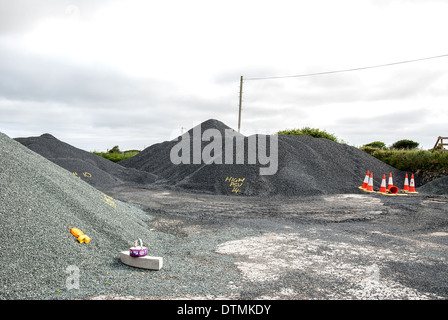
<point>138,251</point>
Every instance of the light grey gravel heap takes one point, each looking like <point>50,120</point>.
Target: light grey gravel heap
<point>39,202</point>
<point>306,166</point>
<point>95,170</point>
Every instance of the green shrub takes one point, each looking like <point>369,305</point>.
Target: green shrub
<point>377,145</point>
<point>405,144</point>
<point>368,149</point>
<point>412,160</point>
<point>313,132</point>
<point>115,150</point>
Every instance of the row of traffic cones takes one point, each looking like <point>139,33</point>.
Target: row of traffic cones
<point>409,187</point>
<point>367,185</point>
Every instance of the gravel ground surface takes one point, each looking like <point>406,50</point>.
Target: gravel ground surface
<point>349,246</point>
<point>354,245</point>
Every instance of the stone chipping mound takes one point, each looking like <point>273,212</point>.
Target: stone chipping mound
<point>95,170</point>
<point>306,166</point>
<point>437,187</point>
<point>39,202</point>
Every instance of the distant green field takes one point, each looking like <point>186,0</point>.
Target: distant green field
<point>117,156</point>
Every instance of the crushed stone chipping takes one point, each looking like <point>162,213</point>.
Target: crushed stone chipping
<point>39,202</point>
<point>41,198</point>
<point>306,166</point>
<point>95,170</point>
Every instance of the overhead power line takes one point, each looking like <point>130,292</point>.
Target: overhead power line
<point>322,73</point>
<point>346,70</point>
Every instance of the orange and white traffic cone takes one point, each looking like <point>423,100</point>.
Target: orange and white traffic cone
<point>370,185</point>
<point>412,185</point>
<point>383,185</point>
<point>406,183</point>
<point>366,181</point>
<point>391,189</point>
<point>390,182</point>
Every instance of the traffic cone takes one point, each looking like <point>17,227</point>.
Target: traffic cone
<point>393,190</point>
<point>383,185</point>
<point>390,182</point>
<point>406,184</point>
<point>370,185</point>
<point>412,185</point>
<point>366,181</point>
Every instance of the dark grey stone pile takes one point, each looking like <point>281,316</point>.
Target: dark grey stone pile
<point>306,166</point>
<point>97,171</point>
<point>436,187</point>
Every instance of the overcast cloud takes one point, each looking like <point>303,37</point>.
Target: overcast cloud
<point>100,73</point>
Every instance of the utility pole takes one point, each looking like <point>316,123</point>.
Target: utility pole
<point>241,99</point>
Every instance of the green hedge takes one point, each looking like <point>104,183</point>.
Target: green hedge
<point>412,160</point>
<point>312,132</point>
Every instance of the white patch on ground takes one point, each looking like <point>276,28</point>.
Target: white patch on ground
<point>283,294</point>
<point>438,234</point>
<point>364,199</point>
<point>354,206</point>
<point>269,256</point>
<point>185,297</point>
<point>161,194</point>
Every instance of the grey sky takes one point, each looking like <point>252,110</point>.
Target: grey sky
<point>100,73</point>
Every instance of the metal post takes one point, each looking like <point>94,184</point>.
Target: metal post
<point>241,99</point>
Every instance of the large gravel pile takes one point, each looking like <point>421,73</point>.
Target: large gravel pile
<point>39,202</point>
<point>95,170</point>
<point>436,187</point>
<point>306,166</point>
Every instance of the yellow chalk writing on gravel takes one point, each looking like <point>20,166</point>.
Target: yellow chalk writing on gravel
<point>235,183</point>
<point>109,200</point>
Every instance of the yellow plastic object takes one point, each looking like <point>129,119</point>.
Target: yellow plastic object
<point>83,238</point>
<point>76,232</point>
<point>80,235</point>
